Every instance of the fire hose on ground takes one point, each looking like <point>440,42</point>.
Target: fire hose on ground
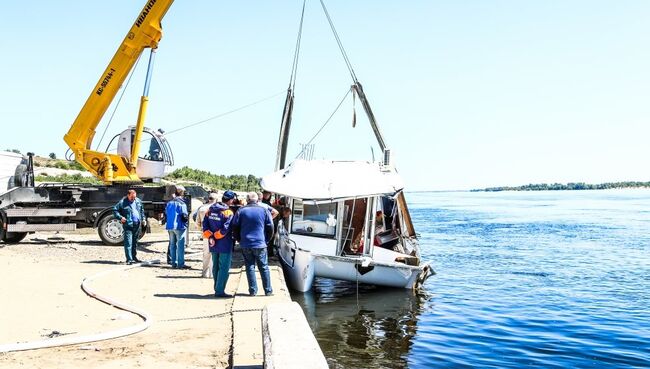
<point>147,320</point>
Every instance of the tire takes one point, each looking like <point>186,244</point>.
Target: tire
<point>14,237</point>
<point>20,177</point>
<point>110,231</point>
<point>10,237</point>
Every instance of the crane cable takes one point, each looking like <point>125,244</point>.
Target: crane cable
<point>324,124</point>
<point>296,54</point>
<point>220,115</point>
<point>117,104</point>
<point>226,113</point>
<point>338,41</point>
<point>68,153</point>
<point>347,63</point>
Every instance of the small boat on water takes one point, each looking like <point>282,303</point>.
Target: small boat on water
<point>348,221</point>
<point>344,220</point>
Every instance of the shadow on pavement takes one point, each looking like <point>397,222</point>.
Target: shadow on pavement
<point>108,262</point>
<point>192,296</point>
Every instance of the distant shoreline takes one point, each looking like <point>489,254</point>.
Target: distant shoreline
<point>579,186</point>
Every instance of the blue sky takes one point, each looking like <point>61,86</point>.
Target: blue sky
<point>468,93</point>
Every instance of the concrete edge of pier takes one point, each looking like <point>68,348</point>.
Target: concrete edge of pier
<point>271,331</point>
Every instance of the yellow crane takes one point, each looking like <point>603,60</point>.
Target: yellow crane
<point>122,167</point>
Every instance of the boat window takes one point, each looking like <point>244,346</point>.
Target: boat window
<point>314,219</point>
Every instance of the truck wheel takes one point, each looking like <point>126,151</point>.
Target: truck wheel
<point>10,237</point>
<point>20,178</point>
<point>110,231</point>
<point>14,237</point>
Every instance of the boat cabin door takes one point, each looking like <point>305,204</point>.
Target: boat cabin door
<point>371,209</point>
<point>358,226</point>
<point>369,226</point>
<point>155,159</point>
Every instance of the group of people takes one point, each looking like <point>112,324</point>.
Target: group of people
<point>251,225</point>
<point>222,223</point>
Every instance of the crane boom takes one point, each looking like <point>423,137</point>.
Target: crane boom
<point>145,32</point>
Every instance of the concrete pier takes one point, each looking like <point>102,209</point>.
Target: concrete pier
<point>272,331</point>
<point>288,340</point>
<point>190,327</point>
<point>247,344</point>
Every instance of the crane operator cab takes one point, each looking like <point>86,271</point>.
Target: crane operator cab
<point>155,159</point>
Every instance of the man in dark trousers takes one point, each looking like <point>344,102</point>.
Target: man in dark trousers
<point>130,212</point>
<point>253,228</point>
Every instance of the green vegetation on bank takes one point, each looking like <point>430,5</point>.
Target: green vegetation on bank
<point>235,182</point>
<point>63,164</point>
<point>184,175</point>
<point>66,178</point>
<point>567,187</point>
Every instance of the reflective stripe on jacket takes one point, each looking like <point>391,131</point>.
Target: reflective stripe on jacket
<point>216,228</point>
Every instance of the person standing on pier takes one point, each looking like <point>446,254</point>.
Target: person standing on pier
<point>130,212</point>
<point>216,229</point>
<point>177,219</point>
<point>265,202</point>
<point>267,205</point>
<point>253,228</point>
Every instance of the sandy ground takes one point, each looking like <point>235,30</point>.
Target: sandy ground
<point>40,293</point>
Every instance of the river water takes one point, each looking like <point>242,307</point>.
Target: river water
<point>524,280</point>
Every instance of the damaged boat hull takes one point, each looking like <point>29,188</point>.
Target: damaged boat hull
<point>302,266</point>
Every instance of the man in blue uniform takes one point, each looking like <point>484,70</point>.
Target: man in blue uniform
<point>130,212</point>
<point>253,228</point>
<point>216,228</point>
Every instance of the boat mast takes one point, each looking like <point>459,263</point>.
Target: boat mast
<point>283,140</point>
<point>285,126</point>
<point>358,89</point>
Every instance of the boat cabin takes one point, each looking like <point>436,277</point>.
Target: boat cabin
<point>373,226</point>
<point>347,221</point>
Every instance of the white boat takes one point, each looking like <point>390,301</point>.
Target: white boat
<point>349,221</point>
